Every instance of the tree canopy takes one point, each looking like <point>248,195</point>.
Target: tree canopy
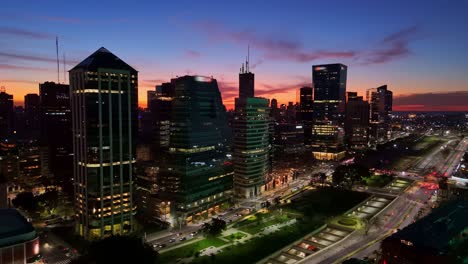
<point>118,249</point>
<point>214,228</point>
<point>348,175</point>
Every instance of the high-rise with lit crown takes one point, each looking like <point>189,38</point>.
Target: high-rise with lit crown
<point>329,111</point>
<point>104,103</point>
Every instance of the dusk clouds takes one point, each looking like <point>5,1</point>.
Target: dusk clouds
<point>9,31</point>
<point>276,47</point>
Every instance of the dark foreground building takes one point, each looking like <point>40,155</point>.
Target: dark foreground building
<point>56,138</point>
<point>104,103</point>
<point>440,237</point>
<point>19,242</point>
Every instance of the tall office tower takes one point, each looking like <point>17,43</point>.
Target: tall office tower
<point>56,137</point>
<point>274,110</point>
<point>252,140</point>
<point>160,107</point>
<point>380,100</point>
<point>103,91</point>
<point>251,146</point>
<point>6,115</point>
<point>329,111</point>
<point>357,121</point>
<point>32,115</point>
<point>306,112</point>
<point>197,176</point>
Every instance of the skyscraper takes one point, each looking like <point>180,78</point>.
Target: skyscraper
<point>56,137</point>
<point>357,121</point>
<point>251,145</point>
<point>160,108</point>
<point>32,115</point>
<point>252,141</point>
<point>380,100</point>
<point>197,175</point>
<point>306,104</point>
<point>6,115</point>
<point>329,111</point>
<point>306,112</point>
<point>104,100</point>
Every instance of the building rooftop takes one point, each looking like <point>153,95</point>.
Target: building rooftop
<point>103,58</point>
<point>14,228</point>
<point>437,230</point>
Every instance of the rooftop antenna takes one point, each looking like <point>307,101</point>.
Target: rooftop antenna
<point>58,67</point>
<point>248,57</point>
<point>64,69</point>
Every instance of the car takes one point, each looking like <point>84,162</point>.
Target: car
<point>194,233</point>
<point>179,234</point>
<point>183,239</point>
<point>162,245</point>
<point>172,240</point>
<point>156,245</point>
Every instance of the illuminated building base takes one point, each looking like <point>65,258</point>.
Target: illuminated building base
<point>95,233</point>
<point>329,155</point>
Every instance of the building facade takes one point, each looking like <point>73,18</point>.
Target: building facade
<point>380,100</point>
<point>357,121</point>
<point>104,102</point>
<point>329,111</point>
<point>251,129</point>
<point>197,174</point>
<point>6,115</point>
<point>32,116</point>
<point>19,242</point>
<point>56,137</point>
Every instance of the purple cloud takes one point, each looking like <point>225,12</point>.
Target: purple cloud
<point>28,57</point>
<point>18,67</point>
<point>25,33</point>
<point>192,54</point>
<point>394,46</point>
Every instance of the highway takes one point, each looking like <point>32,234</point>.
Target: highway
<point>399,214</point>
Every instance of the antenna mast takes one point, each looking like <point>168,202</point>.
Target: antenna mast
<point>64,70</point>
<point>248,57</point>
<point>58,66</point>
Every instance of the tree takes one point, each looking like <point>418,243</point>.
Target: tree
<point>348,175</point>
<point>118,249</point>
<point>214,228</point>
<point>322,177</point>
<point>26,201</point>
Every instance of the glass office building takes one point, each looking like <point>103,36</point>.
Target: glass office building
<point>104,113</point>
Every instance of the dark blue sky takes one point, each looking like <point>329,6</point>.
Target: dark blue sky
<point>416,47</point>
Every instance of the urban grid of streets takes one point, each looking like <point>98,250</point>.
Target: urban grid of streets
<point>399,214</point>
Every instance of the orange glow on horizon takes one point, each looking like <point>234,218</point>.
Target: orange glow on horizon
<point>20,88</point>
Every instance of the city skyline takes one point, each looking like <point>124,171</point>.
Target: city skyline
<point>380,42</point>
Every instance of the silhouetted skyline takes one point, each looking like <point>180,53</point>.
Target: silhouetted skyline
<point>415,47</point>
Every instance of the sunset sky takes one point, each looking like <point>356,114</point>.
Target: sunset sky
<point>418,48</point>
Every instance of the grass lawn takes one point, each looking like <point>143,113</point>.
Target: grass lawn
<point>189,250</point>
<point>235,236</point>
<point>378,180</point>
<point>255,223</point>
